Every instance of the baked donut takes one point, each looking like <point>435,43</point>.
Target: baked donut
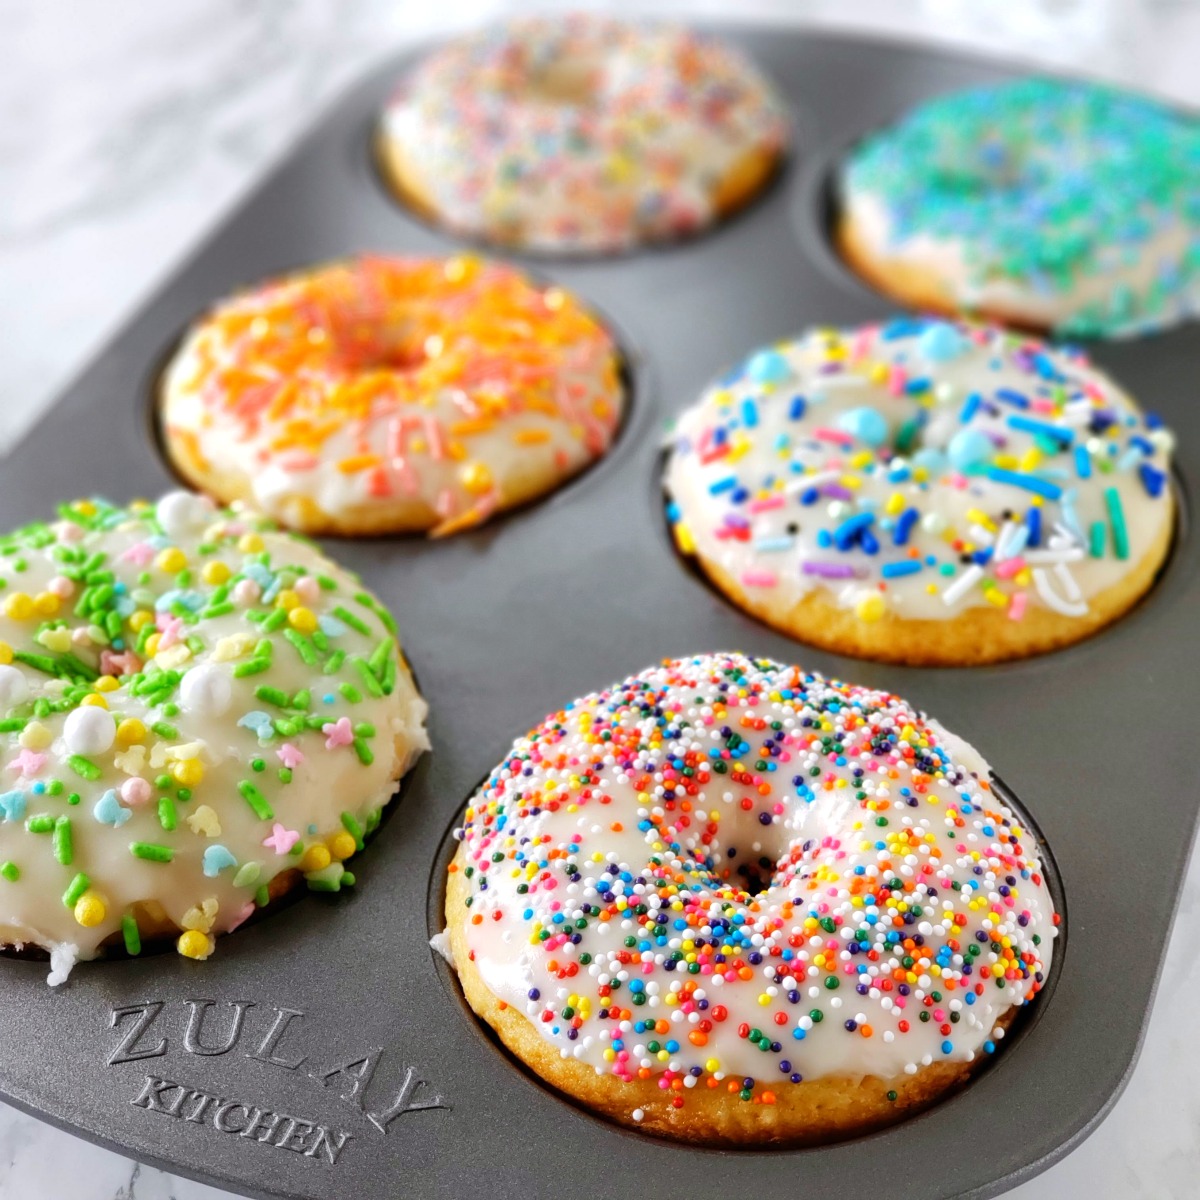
<point>923,492</point>
<point>196,713</point>
<point>389,395</point>
<point>581,134</point>
<point>1049,204</point>
<point>732,902</point>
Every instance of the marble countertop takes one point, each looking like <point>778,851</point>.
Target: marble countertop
<point>130,128</point>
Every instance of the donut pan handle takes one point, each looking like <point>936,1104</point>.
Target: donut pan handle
<point>325,1050</point>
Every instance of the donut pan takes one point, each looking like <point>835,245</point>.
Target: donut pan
<point>325,1050</point>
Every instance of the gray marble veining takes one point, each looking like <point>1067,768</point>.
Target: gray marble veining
<point>127,129</point>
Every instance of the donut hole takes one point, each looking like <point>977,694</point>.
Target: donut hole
<point>561,84</point>
<point>753,872</point>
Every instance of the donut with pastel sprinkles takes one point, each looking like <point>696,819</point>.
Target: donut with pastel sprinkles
<point>581,134</point>
<point>1057,205</point>
<point>197,713</point>
<point>392,395</point>
<point>733,902</point>
<point>923,492</point>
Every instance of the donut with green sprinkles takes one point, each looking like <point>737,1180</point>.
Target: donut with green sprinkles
<point>729,900</point>
<point>196,712</point>
<point>923,491</point>
<point>1059,205</point>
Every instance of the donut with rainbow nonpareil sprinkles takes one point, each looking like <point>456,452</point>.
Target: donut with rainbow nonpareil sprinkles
<point>733,902</point>
<point>1057,205</point>
<point>392,394</point>
<point>197,713</point>
<point>923,492</point>
<point>581,134</point>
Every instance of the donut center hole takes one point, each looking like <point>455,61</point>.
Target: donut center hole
<point>565,84</point>
<point>751,870</point>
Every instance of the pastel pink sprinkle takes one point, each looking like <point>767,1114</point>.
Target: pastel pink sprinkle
<point>338,733</point>
<point>281,839</point>
<point>140,553</point>
<point>170,629</point>
<point>28,762</point>
<point>61,586</point>
<point>136,790</point>
<point>291,756</point>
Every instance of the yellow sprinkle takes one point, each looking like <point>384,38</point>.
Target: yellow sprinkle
<point>303,619</point>
<point>216,573</point>
<point>315,858</point>
<point>106,683</point>
<point>204,821</point>
<point>152,643</point>
<point>171,561</point>
<point>35,736</point>
<point>19,606</point>
<point>476,478</point>
<point>46,604</point>
<point>94,700</point>
<point>140,619</point>
<point>231,647</point>
<point>341,846</point>
<point>188,773</point>
<point>684,539</point>
<point>194,944</point>
<point>287,599</point>
<point>871,607</point>
<point>90,909</point>
<point>130,732</point>
<point>1031,459</point>
<point>531,437</point>
<point>250,543</point>
<point>174,656</point>
<point>896,504</point>
<point>57,640</point>
<point>982,519</point>
<point>5,654</point>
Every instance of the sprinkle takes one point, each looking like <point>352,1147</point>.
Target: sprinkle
<point>1116,518</point>
<point>256,800</point>
<point>151,852</point>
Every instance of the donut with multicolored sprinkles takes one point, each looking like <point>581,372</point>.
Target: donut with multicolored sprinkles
<point>581,134</point>
<point>390,394</point>
<point>197,712</point>
<point>730,901</point>
<point>1049,204</point>
<point>923,492</point>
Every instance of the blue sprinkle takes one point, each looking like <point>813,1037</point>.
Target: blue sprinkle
<point>865,424</point>
<point>895,570</point>
<point>969,448</point>
<point>908,518</point>
<point>768,366</point>
<point>1031,483</point>
<point>1083,462</point>
<point>941,342</point>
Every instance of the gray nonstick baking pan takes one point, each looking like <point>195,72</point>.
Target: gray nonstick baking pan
<point>326,1051</point>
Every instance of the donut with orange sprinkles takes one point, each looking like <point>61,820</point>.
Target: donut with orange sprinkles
<point>729,901</point>
<point>389,394</point>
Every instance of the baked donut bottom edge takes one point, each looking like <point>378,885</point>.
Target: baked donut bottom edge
<point>301,513</point>
<point>978,636</point>
<point>919,288</point>
<point>809,1113</point>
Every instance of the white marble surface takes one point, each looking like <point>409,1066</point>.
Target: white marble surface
<point>128,128</point>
